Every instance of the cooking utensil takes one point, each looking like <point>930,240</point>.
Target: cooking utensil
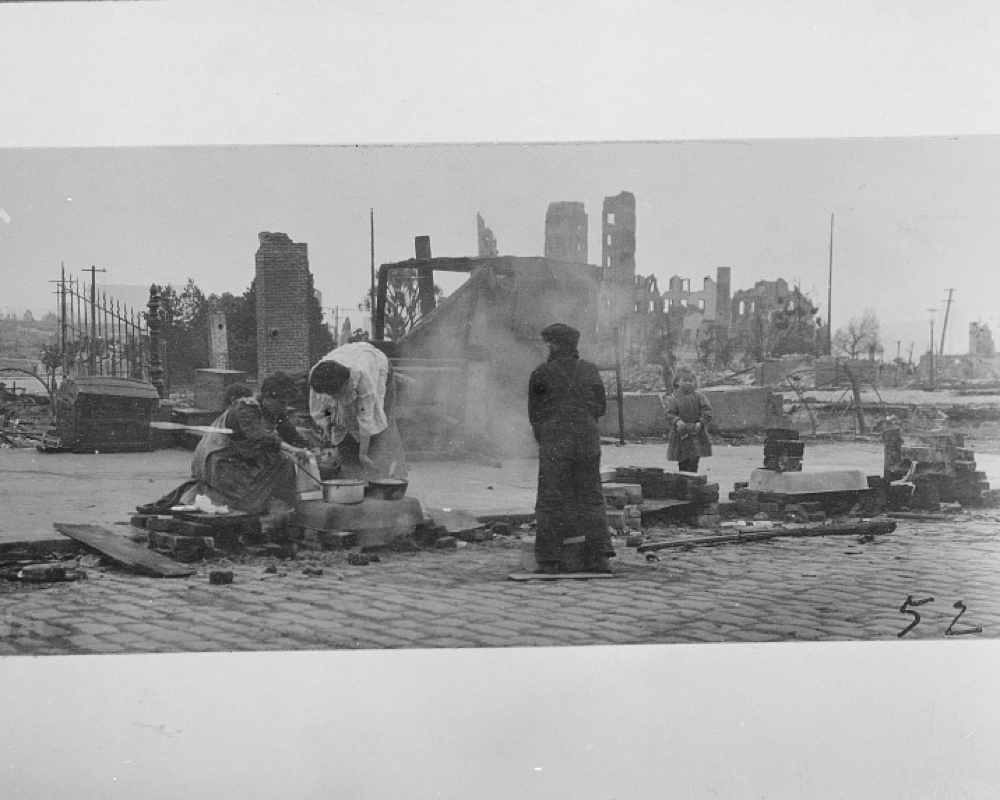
<point>344,491</point>
<point>386,488</point>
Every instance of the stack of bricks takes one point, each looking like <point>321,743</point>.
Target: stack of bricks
<point>623,503</point>
<point>696,489</point>
<point>783,450</point>
<point>179,539</point>
<point>189,537</point>
<point>946,471</point>
<point>654,481</point>
<point>751,503</point>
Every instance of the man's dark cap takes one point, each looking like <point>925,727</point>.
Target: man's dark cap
<point>561,334</point>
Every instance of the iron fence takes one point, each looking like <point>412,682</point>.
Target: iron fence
<point>98,335</point>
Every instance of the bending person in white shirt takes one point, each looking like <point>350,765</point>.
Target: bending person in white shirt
<point>351,398</point>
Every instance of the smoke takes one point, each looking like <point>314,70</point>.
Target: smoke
<point>480,346</point>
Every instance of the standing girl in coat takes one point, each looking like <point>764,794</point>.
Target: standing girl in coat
<point>688,414</point>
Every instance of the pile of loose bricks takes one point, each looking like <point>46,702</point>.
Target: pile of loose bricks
<point>627,487</point>
<point>188,537</point>
<point>753,504</point>
<point>946,471</point>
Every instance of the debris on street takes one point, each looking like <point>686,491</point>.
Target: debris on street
<point>124,552</point>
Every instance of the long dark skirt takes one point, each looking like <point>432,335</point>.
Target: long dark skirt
<point>241,485</point>
<point>249,486</point>
<point>570,507</point>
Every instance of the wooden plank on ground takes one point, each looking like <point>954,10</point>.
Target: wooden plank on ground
<point>129,554</point>
<point>860,528</point>
<point>560,576</point>
<point>649,505</point>
<point>918,517</point>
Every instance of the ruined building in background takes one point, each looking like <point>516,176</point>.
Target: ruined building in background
<point>979,364</point>
<point>694,314</point>
<point>772,320</point>
<point>566,232</point>
<point>764,296</point>
<point>487,241</point>
<point>283,286</point>
<point>617,305</point>
<point>981,340</point>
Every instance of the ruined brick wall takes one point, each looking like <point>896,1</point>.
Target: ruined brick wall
<point>282,284</point>
<point>566,232</point>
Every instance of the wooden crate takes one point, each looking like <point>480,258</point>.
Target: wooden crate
<point>105,414</point>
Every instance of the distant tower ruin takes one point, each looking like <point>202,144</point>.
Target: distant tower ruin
<point>566,232</point>
<point>616,305</point>
<point>282,288</point>
<point>981,340</point>
<point>487,241</point>
<point>618,238</point>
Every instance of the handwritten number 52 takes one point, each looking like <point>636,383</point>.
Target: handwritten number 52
<point>910,603</point>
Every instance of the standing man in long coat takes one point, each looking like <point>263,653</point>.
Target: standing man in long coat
<point>565,400</point>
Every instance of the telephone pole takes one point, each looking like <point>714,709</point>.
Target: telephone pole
<point>944,325</point>
<point>931,353</point>
<point>93,315</point>
<point>829,298</point>
<point>371,214</point>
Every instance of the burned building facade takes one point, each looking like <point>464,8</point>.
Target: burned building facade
<point>693,313</point>
<point>566,232</point>
<point>617,310</point>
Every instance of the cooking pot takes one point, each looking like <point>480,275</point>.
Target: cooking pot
<point>344,491</point>
<point>386,488</point>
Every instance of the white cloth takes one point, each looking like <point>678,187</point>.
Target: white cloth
<point>359,407</point>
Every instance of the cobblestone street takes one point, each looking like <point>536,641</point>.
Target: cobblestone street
<point>783,589</point>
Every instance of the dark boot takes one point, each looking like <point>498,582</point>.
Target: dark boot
<point>599,564</point>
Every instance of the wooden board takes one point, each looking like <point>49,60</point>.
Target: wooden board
<point>912,515</point>
<point>860,528</point>
<point>560,576</point>
<point>177,426</point>
<point>129,554</point>
<point>652,506</point>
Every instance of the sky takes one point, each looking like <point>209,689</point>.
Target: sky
<point>912,217</point>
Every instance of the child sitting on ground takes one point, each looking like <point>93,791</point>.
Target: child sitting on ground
<point>688,414</point>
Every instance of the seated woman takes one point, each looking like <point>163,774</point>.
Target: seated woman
<point>252,467</point>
